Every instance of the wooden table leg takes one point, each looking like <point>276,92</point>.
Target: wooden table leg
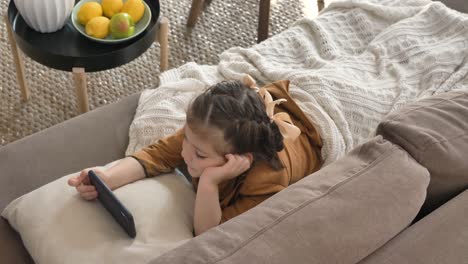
<point>263,20</point>
<point>79,77</point>
<point>320,5</point>
<point>195,11</point>
<point>19,64</point>
<point>163,39</point>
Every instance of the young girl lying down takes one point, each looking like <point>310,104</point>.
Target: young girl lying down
<point>238,146</point>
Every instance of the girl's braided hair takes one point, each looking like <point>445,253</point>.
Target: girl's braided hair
<point>239,113</point>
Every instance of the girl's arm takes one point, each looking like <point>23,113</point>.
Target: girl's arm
<point>148,162</point>
<point>152,160</point>
<point>207,209</point>
<point>125,171</point>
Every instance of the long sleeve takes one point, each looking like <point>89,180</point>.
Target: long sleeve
<point>260,183</point>
<point>163,156</point>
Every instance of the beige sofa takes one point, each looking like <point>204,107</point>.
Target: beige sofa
<point>369,207</point>
<point>356,210</point>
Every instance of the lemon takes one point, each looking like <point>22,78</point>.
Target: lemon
<point>98,27</point>
<point>111,7</point>
<point>135,8</point>
<point>88,11</point>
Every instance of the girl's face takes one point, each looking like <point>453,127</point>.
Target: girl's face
<point>199,153</point>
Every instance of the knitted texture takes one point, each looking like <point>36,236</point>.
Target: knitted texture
<point>349,67</point>
<point>161,111</point>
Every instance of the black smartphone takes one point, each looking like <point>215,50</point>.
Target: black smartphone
<point>118,211</point>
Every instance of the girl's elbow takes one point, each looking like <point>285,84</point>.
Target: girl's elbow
<point>202,228</point>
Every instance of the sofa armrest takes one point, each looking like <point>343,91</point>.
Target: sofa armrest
<point>339,214</point>
<point>94,138</point>
<point>440,237</point>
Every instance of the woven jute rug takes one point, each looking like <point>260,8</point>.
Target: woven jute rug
<point>223,24</point>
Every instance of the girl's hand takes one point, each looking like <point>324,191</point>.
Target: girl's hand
<point>235,166</point>
<point>83,184</point>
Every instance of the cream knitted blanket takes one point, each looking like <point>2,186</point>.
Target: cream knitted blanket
<point>349,67</point>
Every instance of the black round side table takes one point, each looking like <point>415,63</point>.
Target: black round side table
<point>68,50</point>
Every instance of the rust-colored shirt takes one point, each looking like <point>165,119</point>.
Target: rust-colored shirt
<point>300,158</point>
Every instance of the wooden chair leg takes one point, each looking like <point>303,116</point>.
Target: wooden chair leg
<point>263,20</point>
<point>163,39</point>
<point>195,11</point>
<point>320,5</point>
<point>18,61</point>
<point>79,77</point>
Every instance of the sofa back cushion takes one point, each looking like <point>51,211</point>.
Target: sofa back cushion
<point>339,214</point>
<point>459,5</point>
<point>435,132</point>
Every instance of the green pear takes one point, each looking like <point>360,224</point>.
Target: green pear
<point>121,26</point>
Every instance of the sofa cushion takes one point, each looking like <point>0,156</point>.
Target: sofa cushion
<point>58,226</point>
<point>435,132</point>
<point>339,214</point>
<point>441,237</point>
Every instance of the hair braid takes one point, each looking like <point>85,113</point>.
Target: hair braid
<point>240,114</point>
